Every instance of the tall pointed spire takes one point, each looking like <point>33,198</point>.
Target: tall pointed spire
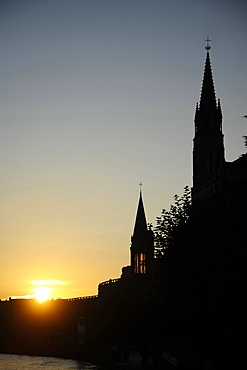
<point>208,100</point>
<point>208,151</point>
<point>140,223</point>
<point>208,117</point>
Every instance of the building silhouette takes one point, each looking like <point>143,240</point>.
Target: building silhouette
<point>211,173</point>
<point>213,176</point>
<point>142,244</point>
<point>141,255</point>
<point>195,299</point>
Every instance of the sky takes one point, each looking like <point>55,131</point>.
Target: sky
<point>97,96</point>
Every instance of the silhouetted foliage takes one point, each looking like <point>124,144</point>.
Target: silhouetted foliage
<point>245,137</point>
<point>245,140</point>
<point>198,281</point>
<point>170,222</point>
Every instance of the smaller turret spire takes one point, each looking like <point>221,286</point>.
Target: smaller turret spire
<point>140,222</point>
<point>142,243</point>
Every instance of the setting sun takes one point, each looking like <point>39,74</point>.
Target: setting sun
<point>42,293</point>
<point>45,290</point>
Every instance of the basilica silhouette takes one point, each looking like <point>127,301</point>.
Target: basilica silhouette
<point>211,173</point>
<point>191,298</point>
<point>212,176</point>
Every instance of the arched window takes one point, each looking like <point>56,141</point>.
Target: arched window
<point>140,263</point>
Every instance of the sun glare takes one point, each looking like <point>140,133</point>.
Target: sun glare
<point>45,290</point>
<point>42,294</point>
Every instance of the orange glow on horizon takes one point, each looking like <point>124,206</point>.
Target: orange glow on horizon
<point>45,290</point>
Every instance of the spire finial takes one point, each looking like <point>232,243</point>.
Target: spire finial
<point>140,187</point>
<point>208,47</point>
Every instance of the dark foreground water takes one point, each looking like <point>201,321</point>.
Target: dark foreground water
<point>16,362</point>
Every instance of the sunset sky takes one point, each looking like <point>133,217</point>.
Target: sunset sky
<point>96,96</point>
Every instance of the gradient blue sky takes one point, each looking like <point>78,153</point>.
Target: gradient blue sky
<point>96,96</point>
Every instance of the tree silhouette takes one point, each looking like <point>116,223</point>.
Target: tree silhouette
<point>170,223</point>
<point>198,284</point>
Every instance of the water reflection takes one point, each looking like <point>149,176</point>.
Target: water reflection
<point>16,362</point>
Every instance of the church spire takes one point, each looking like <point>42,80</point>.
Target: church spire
<point>140,223</point>
<point>208,151</point>
<point>208,100</point>
<point>142,243</point>
<point>208,117</point>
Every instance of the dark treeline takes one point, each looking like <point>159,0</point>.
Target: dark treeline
<point>201,273</point>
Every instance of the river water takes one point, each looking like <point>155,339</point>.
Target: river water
<point>16,362</point>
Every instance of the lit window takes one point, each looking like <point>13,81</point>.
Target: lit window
<point>136,264</point>
<point>140,263</point>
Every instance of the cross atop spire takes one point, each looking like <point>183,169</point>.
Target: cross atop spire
<point>140,187</point>
<point>207,47</point>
